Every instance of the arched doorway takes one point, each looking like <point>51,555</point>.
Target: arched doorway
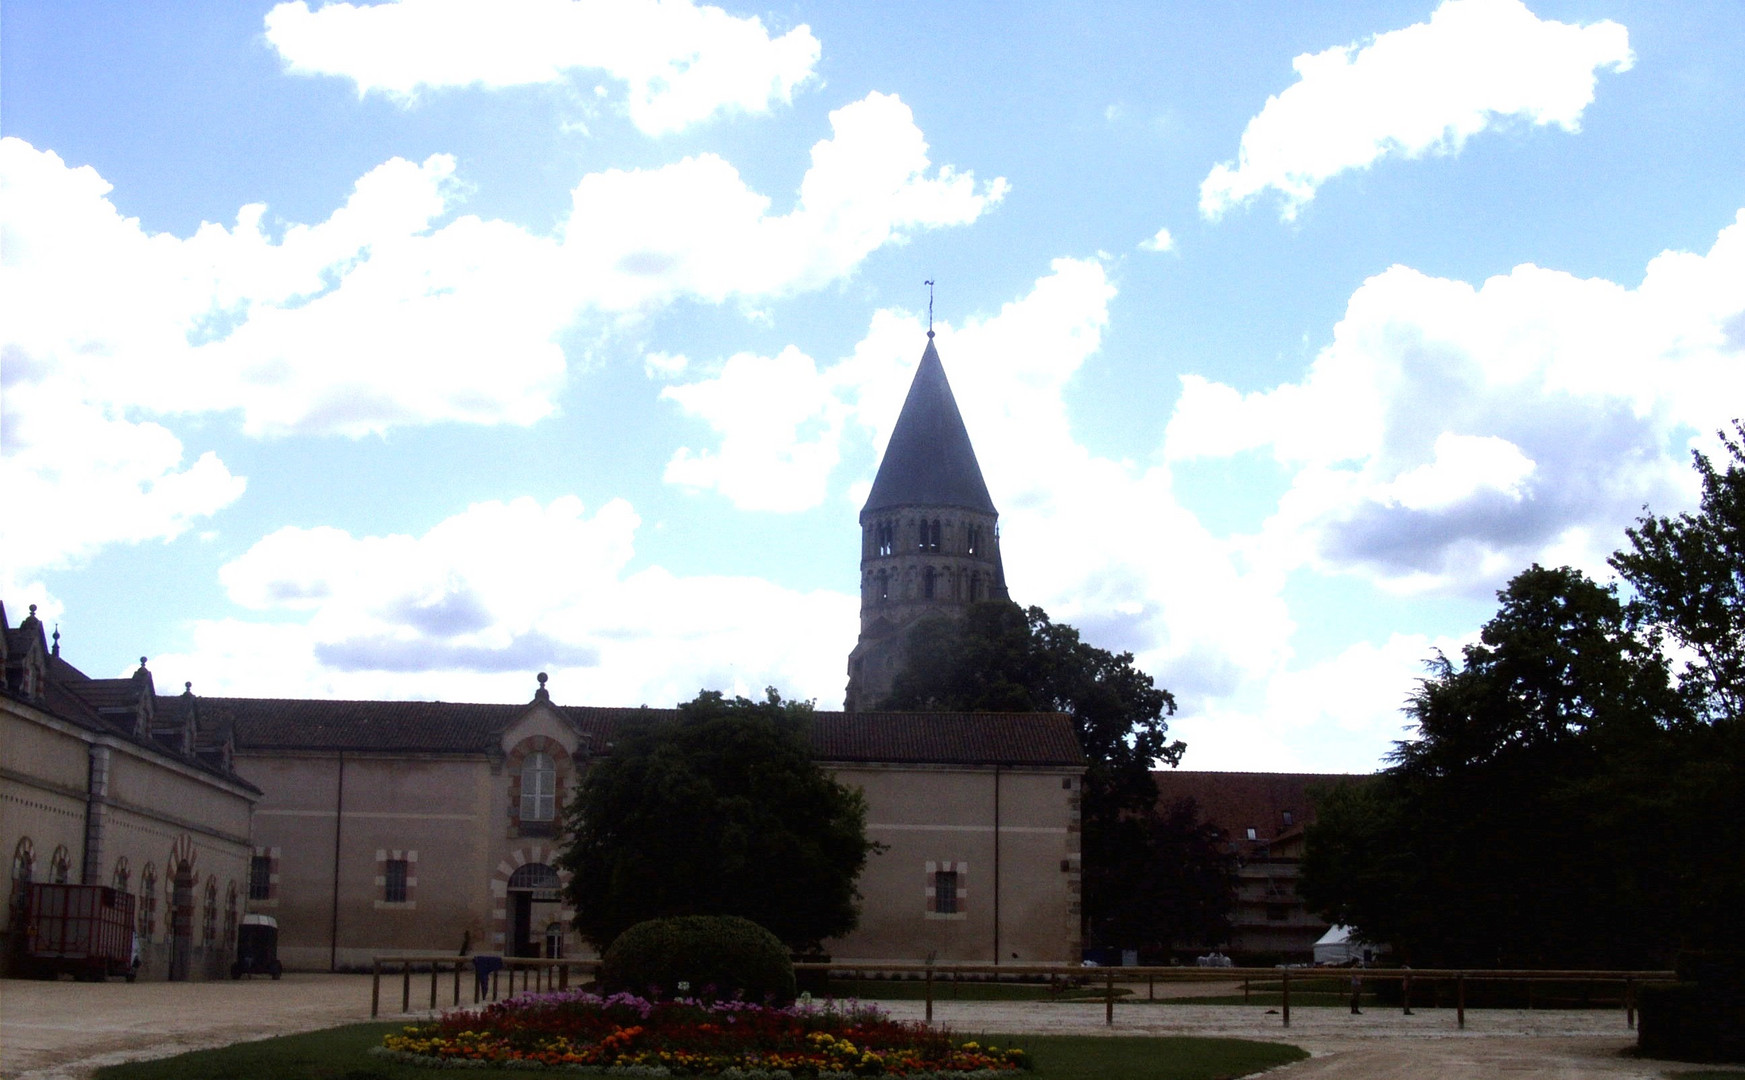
<point>181,920</point>
<point>533,904</point>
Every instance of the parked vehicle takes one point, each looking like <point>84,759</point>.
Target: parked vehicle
<point>257,947</point>
<point>85,930</point>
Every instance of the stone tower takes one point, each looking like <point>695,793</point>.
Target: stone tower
<point>929,533</point>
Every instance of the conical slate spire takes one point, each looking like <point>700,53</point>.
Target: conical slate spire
<point>929,461</point>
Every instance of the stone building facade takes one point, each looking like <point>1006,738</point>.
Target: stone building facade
<point>104,782</point>
<point>416,826</point>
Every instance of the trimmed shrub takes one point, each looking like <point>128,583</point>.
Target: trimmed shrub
<point>716,955</point>
<point>1688,1021</point>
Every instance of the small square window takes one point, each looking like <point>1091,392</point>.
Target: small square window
<point>394,882</point>
<point>945,892</point>
<point>1066,783</point>
<point>260,878</point>
<point>1290,818</point>
<point>1252,833</point>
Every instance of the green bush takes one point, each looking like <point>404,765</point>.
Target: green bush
<point>1688,1021</point>
<point>716,955</point>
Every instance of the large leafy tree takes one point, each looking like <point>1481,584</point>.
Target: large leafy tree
<point>722,811</point>
<point>1499,836</point>
<point>1000,657</point>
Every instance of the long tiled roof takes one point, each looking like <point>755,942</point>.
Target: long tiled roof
<point>284,724</point>
<point>1238,801</point>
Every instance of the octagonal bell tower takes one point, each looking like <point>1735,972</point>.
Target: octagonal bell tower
<point>929,533</point>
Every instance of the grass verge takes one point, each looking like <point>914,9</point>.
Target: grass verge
<point>342,1053</point>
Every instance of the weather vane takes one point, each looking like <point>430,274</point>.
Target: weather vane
<point>929,284</point>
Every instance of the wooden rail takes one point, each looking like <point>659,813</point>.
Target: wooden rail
<point>555,975</point>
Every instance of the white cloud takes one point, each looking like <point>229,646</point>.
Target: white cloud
<point>387,315</point>
<point>472,608</point>
<point>1160,242</point>
<point>681,63</point>
<point>1321,717</point>
<point>780,432</point>
<point>78,478</point>
<point>644,236</point>
<point>1425,89</point>
<point>372,319</point>
<point>1451,435</point>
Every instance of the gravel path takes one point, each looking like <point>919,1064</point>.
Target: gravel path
<point>64,1030</point>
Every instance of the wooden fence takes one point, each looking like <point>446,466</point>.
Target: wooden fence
<point>536,974</point>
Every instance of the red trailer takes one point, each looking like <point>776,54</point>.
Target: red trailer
<point>83,929</point>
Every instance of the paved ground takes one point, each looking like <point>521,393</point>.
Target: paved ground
<point>64,1030</point>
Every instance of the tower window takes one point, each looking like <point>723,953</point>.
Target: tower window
<point>886,534</point>
<point>927,583</point>
<point>934,533</point>
<point>974,533</point>
<point>975,587</point>
<point>884,590</point>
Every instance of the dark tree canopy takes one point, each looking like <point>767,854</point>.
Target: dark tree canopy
<point>1562,805</point>
<point>720,812</point>
<point>1003,658</point>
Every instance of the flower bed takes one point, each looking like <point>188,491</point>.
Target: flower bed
<point>630,1036</point>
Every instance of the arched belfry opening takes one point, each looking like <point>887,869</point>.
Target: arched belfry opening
<point>928,522</point>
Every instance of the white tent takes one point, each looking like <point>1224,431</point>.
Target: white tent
<point>1339,946</point>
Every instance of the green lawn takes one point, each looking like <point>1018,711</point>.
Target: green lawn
<point>341,1054</point>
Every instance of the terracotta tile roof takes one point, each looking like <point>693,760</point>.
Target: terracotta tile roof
<point>1238,801</point>
<point>267,724</point>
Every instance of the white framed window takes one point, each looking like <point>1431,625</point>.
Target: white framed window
<point>538,787</point>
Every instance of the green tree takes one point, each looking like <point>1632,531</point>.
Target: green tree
<point>1000,657</point>
<point>722,811</point>
<point>1523,825</point>
<point>1688,573</point>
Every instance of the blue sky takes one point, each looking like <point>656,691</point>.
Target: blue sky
<point>409,350</point>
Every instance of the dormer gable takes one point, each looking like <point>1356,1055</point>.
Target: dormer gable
<point>27,658</point>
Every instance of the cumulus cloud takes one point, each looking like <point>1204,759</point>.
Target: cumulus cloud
<point>1317,717</point>
<point>1474,65</point>
<point>79,477</point>
<point>681,63</point>
<point>1451,435</point>
<point>374,318</point>
<point>643,236</point>
<point>472,608</point>
<point>1160,242</point>
<point>395,311</point>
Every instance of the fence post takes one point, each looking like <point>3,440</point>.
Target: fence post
<point>1287,997</point>
<point>930,992</point>
<point>457,967</point>
<point>1151,986</point>
<point>1109,996</point>
<point>1460,999</point>
<point>434,966</point>
<point>1406,994</point>
<point>1630,1004</point>
<point>1245,990</point>
<point>405,986</point>
<point>376,989</point>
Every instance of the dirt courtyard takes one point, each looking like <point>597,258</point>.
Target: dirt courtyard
<point>64,1030</point>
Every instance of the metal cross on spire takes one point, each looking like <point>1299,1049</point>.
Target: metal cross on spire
<point>929,284</point>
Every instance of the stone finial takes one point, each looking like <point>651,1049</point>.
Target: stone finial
<point>541,694</point>
<point>57,637</point>
<point>187,689</point>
